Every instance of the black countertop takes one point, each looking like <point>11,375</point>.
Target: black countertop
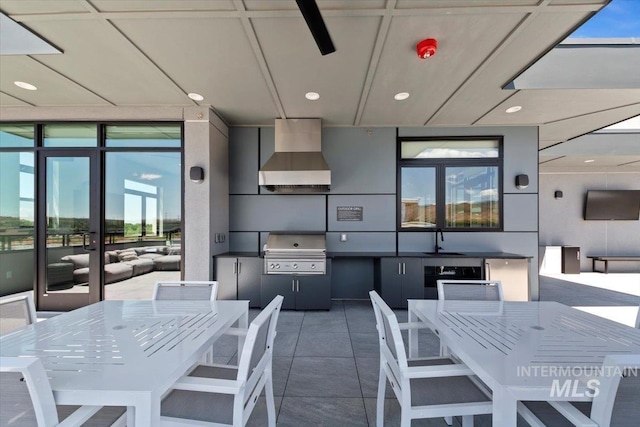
<point>504,255</point>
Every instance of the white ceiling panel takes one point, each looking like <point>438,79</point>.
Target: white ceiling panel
<point>42,6</point>
<point>598,162</point>
<point>464,41</point>
<point>211,57</point>
<point>419,4</point>
<point>482,92</point>
<point>562,130</point>
<point>164,5</point>
<point>547,105</point>
<point>297,67</point>
<point>53,89</point>
<point>103,55</point>
<point>10,101</point>
<point>261,5</point>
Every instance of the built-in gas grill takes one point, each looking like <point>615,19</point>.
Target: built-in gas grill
<point>295,253</point>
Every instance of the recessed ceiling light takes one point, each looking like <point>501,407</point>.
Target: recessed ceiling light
<point>589,161</point>
<point>196,96</point>
<point>513,109</point>
<point>401,96</point>
<point>312,96</point>
<point>24,85</point>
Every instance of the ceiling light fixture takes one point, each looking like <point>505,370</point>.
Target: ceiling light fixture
<point>513,109</point>
<point>24,85</point>
<point>589,161</point>
<point>401,96</point>
<point>312,96</point>
<point>196,96</point>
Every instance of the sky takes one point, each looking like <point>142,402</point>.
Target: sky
<point>619,19</point>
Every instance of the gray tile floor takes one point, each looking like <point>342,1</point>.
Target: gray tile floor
<point>326,362</point>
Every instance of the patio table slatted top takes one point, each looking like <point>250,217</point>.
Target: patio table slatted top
<point>521,349</point>
<point>124,353</point>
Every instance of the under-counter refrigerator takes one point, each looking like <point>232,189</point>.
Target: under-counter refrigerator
<point>514,275</point>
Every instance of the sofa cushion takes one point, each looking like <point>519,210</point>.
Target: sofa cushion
<point>167,263</point>
<point>150,256</point>
<point>117,271</point>
<point>127,256</point>
<point>113,257</point>
<point>140,266</point>
<point>81,275</point>
<point>78,260</point>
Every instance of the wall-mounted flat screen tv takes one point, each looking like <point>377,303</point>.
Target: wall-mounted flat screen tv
<point>612,205</point>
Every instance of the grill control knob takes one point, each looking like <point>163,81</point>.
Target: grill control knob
<point>295,266</point>
<point>313,266</point>
<point>271,266</point>
<point>277,266</point>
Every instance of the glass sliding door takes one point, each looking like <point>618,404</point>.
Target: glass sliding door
<point>69,233</point>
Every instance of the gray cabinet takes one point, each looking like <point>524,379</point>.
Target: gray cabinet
<point>514,275</point>
<point>299,292</point>
<point>400,279</point>
<point>239,278</point>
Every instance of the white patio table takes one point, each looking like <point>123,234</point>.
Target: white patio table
<point>537,351</point>
<point>124,353</point>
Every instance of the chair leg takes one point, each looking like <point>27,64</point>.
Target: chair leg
<point>405,419</point>
<point>382,384</point>
<point>467,421</point>
<point>448,420</point>
<point>271,406</point>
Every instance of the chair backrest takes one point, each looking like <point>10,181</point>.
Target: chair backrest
<point>470,290</point>
<point>185,290</point>
<point>638,319</point>
<point>16,312</point>
<point>25,393</point>
<point>616,403</point>
<point>392,350</point>
<point>257,352</point>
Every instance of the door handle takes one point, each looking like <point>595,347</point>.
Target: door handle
<point>293,285</point>
<point>91,246</point>
<point>235,268</point>
<point>239,266</point>
<point>404,268</point>
<point>297,285</point>
<point>399,268</point>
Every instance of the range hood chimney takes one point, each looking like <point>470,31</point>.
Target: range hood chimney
<point>297,166</point>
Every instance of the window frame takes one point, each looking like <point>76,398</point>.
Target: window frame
<point>440,165</point>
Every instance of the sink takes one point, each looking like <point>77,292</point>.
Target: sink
<point>443,254</point>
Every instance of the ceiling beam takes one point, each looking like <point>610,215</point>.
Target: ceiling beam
<point>383,31</point>
<point>259,54</point>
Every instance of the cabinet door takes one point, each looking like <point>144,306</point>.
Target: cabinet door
<point>227,278</point>
<point>313,292</point>
<point>391,281</point>
<point>249,273</point>
<point>514,275</point>
<point>273,285</point>
<point>412,280</point>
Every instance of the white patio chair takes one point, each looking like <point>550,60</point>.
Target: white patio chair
<point>223,394</point>
<point>638,319</point>
<point>614,405</point>
<point>27,399</point>
<point>425,388</point>
<point>185,290</point>
<point>470,290</point>
<point>16,312</point>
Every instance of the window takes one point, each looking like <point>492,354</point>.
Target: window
<point>452,184</point>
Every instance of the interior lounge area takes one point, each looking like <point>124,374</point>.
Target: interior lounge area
<point>320,212</point>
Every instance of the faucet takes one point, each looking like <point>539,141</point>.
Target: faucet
<point>438,247</point>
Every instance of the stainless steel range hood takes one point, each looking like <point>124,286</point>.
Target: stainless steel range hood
<point>297,164</point>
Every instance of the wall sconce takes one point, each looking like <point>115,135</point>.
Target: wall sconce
<point>196,174</point>
<point>522,181</point>
<point>558,194</point>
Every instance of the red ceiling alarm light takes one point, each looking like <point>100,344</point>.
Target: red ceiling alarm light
<point>427,48</point>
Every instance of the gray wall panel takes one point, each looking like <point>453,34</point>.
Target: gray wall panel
<point>243,242</point>
<point>378,213</point>
<point>520,212</point>
<point>243,160</point>
<point>360,162</point>
<point>562,223</point>
<point>277,212</point>
<point>267,148</point>
<point>362,242</point>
